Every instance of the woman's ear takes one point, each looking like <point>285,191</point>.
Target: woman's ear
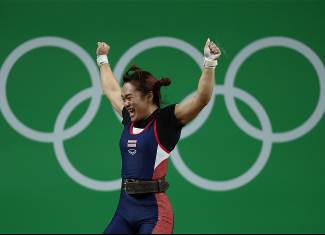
<point>150,96</point>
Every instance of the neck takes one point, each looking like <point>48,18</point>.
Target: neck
<point>151,109</point>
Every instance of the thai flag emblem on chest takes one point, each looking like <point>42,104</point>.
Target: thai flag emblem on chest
<point>132,144</point>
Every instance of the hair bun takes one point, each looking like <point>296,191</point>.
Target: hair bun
<point>134,68</point>
<point>164,82</point>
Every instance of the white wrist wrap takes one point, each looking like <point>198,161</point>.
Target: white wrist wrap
<point>102,59</point>
<point>208,63</point>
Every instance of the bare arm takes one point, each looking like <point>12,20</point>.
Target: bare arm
<point>190,108</point>
<point>110,85</point>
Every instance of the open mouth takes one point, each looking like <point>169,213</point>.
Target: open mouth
<point>131,112</point>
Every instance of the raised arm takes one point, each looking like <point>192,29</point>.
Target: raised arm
<point>110,85</point>
<point>191,107</point>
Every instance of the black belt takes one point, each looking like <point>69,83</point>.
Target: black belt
<point>133,186</point>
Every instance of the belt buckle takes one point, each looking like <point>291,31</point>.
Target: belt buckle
<point>126,186</point>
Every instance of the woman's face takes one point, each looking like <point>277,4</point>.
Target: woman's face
<point>135,102</point>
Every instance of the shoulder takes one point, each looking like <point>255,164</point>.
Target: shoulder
<point>167,116</point>
<point>168,127</point>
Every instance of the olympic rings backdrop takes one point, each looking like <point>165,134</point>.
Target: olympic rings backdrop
<point>252,162</point>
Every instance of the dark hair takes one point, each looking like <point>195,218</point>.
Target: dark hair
<point>145,82</point>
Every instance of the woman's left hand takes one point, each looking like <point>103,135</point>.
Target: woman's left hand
<point>211,51</point>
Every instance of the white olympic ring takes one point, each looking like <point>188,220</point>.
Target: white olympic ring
<point>53,42</point>
<point>228,90</point>
<point>59,134</point>
<point>276,42</point>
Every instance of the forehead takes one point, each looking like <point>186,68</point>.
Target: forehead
<point>128,89</point>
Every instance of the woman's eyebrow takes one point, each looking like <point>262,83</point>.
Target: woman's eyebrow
<point>126,96</point>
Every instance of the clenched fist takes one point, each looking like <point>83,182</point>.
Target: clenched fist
<point>102,48</point>
<point>211,51</point>
<point>211,54</point>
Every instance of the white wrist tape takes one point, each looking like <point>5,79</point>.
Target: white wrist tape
<point>102,59</point>
<point>208,63</point>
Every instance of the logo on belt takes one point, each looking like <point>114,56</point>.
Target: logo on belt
<point>132,144</point>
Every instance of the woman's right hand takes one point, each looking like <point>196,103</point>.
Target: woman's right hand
<point>102,48</point>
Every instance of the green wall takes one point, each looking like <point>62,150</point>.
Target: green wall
<point>259,170</point>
